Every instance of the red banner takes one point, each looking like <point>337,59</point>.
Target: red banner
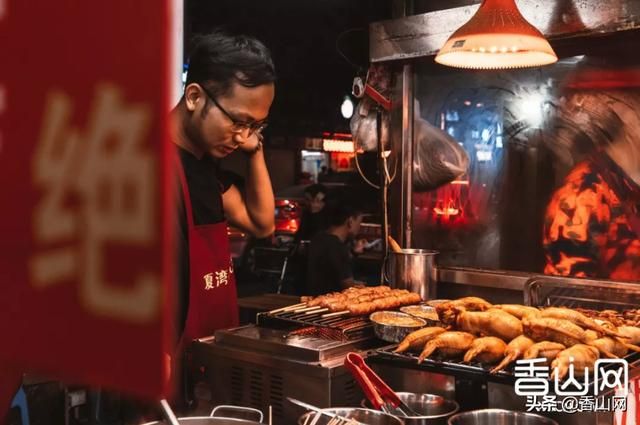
<point>83,251</point>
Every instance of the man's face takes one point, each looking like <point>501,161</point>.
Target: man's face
<point>316,203</point>
<point>214,130</point>
<point>354,225</point>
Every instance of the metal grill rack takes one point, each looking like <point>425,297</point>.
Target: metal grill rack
<point>341,327</point>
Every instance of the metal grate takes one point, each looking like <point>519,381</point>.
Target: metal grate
<point>321,324</point>
<point>276,395</point>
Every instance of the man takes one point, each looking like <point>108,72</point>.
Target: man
<point>314,217</point>
<point>227,97</point>
<point>330,266</point>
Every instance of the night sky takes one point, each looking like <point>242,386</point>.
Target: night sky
<point>313,77</point>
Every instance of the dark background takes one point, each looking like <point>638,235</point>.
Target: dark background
<point>303,35</point>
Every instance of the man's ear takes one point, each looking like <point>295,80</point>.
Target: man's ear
<point>192,95</point>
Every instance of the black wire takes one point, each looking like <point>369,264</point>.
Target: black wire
<point>339,38</point>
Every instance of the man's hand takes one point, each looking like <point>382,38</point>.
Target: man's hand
<point>252,145</point>
<point>358,246</point>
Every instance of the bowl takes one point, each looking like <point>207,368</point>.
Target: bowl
<point>433,409</point>
<point>425,312</point>
<point>498,416</point>
<point>394,326</point>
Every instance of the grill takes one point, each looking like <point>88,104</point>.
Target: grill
<point>543,292</point>
<point>319,324</point>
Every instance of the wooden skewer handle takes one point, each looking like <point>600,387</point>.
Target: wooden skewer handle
<point>336,314</point>
<point>287,308</point>
<point>322,310</point>
<point>304,310</point>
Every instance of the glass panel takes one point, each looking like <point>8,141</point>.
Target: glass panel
<point>508,124</point>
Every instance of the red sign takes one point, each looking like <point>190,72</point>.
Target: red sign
<point>84,91</point>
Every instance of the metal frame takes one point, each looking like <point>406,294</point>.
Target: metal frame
<point>423,35</point>
<point>416,36</point>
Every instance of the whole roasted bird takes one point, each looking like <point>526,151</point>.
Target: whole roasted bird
<point>577,318</point>
<point>488,349</point>
<point>490,323</point>
<point>544,350</point>
<point>515,350</point>
<point>417,339</point>
<point>582,356</point>
<point>448,311</point>
<point>630,333</point>
<point>448,344</point>
<point>518,310</point>
<point>551,329</point>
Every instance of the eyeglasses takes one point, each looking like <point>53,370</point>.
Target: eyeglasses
<point>238,126</point>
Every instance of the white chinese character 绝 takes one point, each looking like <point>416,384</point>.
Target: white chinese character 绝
<point>110,174</point>
<point>612,374</point>
<point>571,385</point>
<point>531,377</point>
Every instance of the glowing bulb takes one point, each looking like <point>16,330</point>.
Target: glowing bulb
<point>347,107</point>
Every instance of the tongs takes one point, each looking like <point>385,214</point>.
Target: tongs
<point>379,394</point>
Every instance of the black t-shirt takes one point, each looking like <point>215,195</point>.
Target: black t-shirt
<point>329,264</point>
<point>206,184</point>
<point>311,224</point>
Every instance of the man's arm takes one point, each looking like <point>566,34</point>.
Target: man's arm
<point>255,213</point>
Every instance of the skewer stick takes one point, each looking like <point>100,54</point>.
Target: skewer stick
<point>304,310</point>
<point>322,310</point>
<point>287,308</point>
<point>336,314</point>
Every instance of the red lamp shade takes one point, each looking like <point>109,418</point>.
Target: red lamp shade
<point>496,37</point>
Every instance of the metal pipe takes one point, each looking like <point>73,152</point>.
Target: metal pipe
<point>407,155</point>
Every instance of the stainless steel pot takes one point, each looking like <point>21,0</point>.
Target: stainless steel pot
<point>433,409</point>
<point>414,270</point>
<point>222,415</point>
<point>364,416</point>
<point>499,416</point>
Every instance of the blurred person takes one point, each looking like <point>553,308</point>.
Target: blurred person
<point>330,265</point>
<point>314,217</point>
<point>592,225</point>
<point>229,90</point>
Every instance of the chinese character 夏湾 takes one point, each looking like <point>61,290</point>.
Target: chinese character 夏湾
<point>531,377</point>
<point>208,281</point>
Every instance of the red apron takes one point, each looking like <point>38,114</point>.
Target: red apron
<point>213,302</point>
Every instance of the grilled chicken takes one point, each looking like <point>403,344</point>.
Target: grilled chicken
<point>610,347</point>
<point>448,311</point>
<point>577,318</point>
<point>515,350</point>
<point>518,310</point>
<point>488,349</point>
<point>449,344</point>
<point>557,330</point>
<point>582,356</point>
<point>490,323</point>
<point>630,333</point>
<point>544,350</point>
<point>417,339</point>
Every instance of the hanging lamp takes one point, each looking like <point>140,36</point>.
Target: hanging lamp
<point>496,37</point>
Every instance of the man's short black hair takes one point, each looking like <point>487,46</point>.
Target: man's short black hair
<point>219,60</point>
<point>314,189</point>
<point>340,210</point>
